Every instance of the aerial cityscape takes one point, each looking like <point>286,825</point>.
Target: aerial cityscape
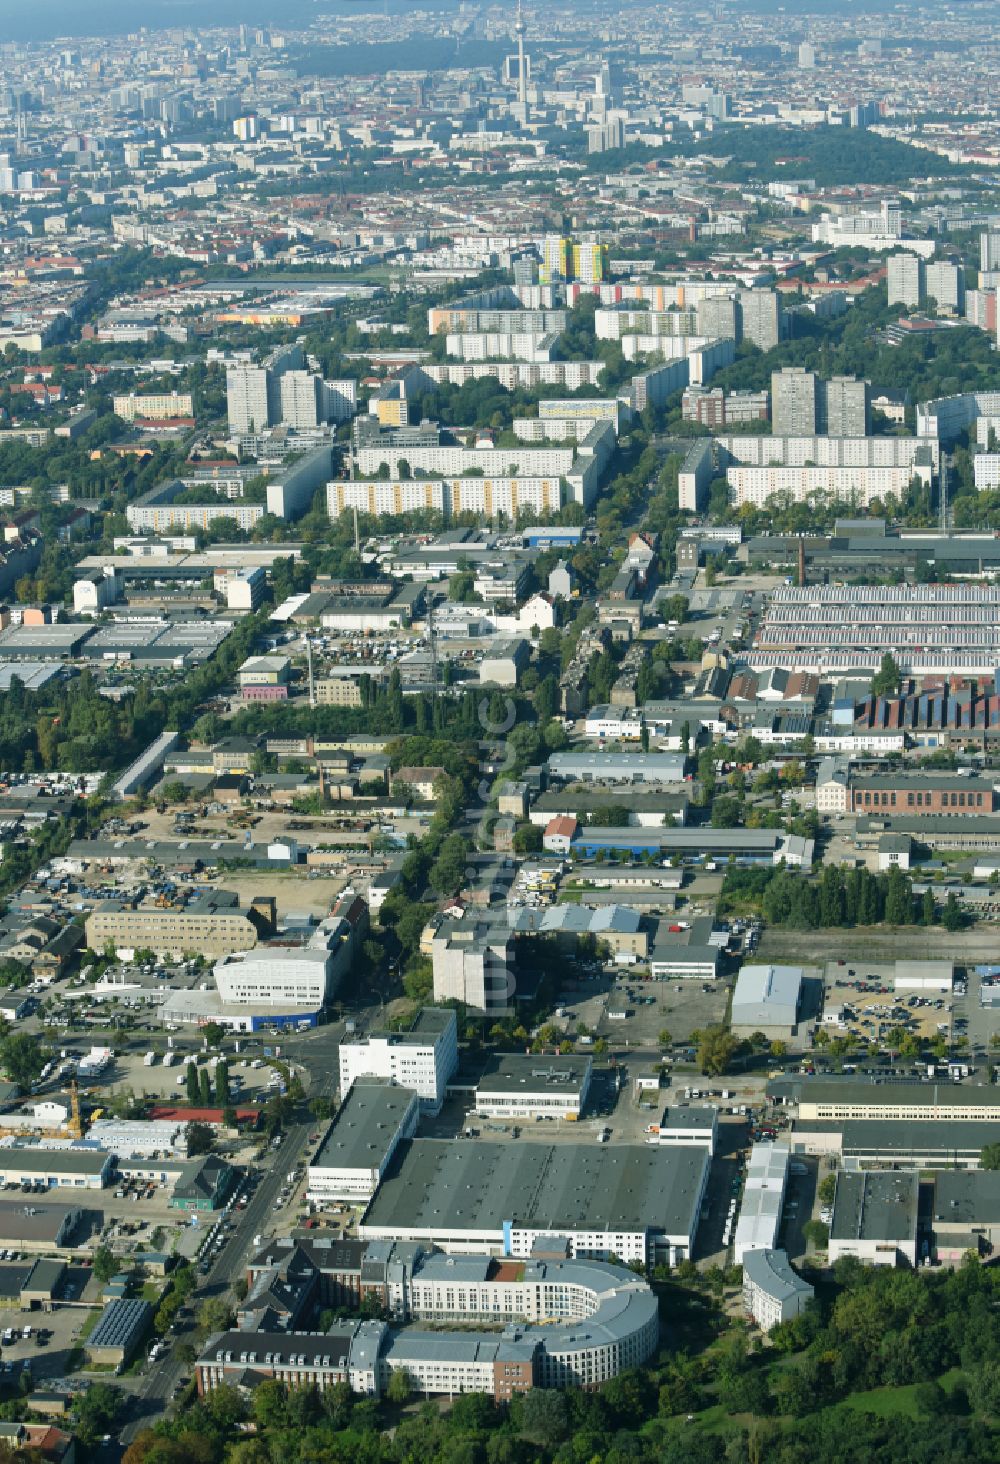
<point>500,733</point>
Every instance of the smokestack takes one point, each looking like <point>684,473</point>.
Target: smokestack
<point>802,563</point>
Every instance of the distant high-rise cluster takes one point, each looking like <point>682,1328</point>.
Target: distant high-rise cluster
<point>803,405</point>
<point>913,281</point>
<point>283,390</point>
<point>565,259</point>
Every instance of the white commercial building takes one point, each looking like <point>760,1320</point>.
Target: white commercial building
<point>372,1121</point>
<point>763,1200</point>
<point>529,1087</point>
<point>609,1201</point>
<point>772,1291</point>
<point>766,999</point>
<point>697,1126</point>
<point>423,1059</point>
<point>287,975</point>
<point>937,976</point>
<point>875,1217</point>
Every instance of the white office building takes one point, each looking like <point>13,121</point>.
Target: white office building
<point>772,1291</point>
<point>422,1059</point>
<point>291,975</point>
<point>356,1150</point>
<point>763,1200</point>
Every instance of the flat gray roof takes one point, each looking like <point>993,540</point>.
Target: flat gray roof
<point>901,1140</point>
<point>365,1126</point>
<point>52,1161</point>
<point>688,1118</point>
<point>516,1073</point>
<point>875,1206</point>
<point>857,1092</point>
<point>447,1184</point>
<point>966,1197</point>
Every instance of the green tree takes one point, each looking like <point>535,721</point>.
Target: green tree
<point>105,1264</point>
<point>400,1387</point>
<point>191,1076</point>
<point>14,973</point>
<point>448,872</point>
<point>97,1412</point>
<point>990,1157</point>
<point>951,916</point>
<point>715,1050</point>
<point>887,679</point>
<point>543,1417</point>
<point>826,1189</point>
<point>214,1315</point>
<point>22,1057</point>
<point>816,1233</point>
<point>527,839</point>
<point>898,898</point>
<point>199,1139</point>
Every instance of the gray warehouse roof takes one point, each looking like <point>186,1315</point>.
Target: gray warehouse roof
<point>875,1206</point>
<point>514,1073</point>
<point>365,1126</point>
<point>443,1184</point>
<point>767,994</point>
<point>966,1197</point>
<point>53,1161</point>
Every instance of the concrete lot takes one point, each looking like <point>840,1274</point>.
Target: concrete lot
<point>681,1006</point>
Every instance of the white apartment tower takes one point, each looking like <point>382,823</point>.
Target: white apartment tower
<point>845,407</point>
<point>905,278</point>
<point>793,402</point>
<point>761,314</point>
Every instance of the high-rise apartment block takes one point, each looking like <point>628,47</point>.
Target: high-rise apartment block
<point>247,399</point>
<point>912,281</point>
<point>844,405</point>
<point>989,252</point>
<point>944,281</point>
<point>804,406</point>
<point>719,317</point>
<point>793,402</point>
<point>563,259</point>
<point>761,317</point>
<point>300,399</point>
<point>905,278</point>
<point>255,394</point>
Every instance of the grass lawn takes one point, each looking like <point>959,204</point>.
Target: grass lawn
<point>895,1402</point>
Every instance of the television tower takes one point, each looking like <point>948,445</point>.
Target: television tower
<point>519,32</point>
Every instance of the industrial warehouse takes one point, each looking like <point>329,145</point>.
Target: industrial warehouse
<point>635,1203</point>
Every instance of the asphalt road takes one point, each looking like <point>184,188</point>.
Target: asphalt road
<point>154,1390</point>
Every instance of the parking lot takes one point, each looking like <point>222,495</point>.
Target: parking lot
<point>47,1351</point>
<point>867,991</point>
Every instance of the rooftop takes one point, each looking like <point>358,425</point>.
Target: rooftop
<point>875,1206</point>
<point>512,1073</point>
<point>365,1126</point>
<point>473,1185</point>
